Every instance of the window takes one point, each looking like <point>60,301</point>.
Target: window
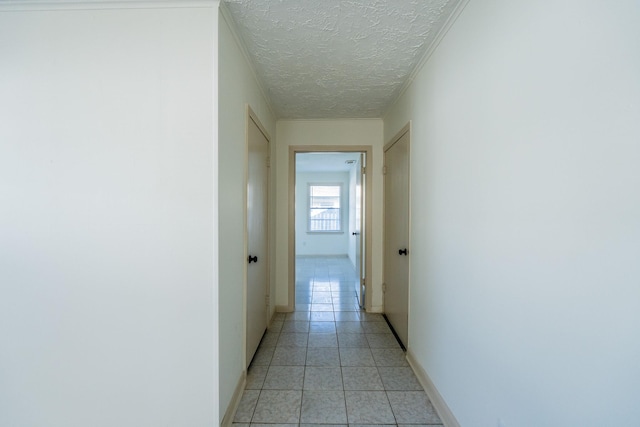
<point>324,208</point>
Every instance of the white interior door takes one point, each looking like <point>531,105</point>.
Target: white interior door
<point>358,233</point>
<point>396,235</point>
<point>257,237</point>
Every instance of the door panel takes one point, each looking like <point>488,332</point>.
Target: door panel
<point>257,242</point>
<point>396,235</point>
<point>359,231</point>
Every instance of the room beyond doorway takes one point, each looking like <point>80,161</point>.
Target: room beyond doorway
<point>330,210</point>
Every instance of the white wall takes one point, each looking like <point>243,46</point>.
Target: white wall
<point>326,132</point>
<point>107,207</point>
<point>320,243</point>
<point>237,87</point>
<point>525,304</point>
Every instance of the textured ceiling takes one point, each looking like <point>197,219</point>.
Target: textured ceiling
<point>336,58</point>
<point>325,162</point>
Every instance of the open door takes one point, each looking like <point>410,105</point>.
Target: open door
<point>358,234</point>
<point>257,235</point>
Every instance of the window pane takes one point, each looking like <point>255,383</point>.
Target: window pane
<point>324,208</point>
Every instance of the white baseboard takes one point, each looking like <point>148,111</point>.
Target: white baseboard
<point>283,309</point>
<point>434,395</point>
<point>376,309</point>
<point>230,413</point>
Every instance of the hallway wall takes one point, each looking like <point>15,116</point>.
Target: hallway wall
<point>326,132</point>
<point>237,88</point>
<point>525,304</point>
<point>107,205</point>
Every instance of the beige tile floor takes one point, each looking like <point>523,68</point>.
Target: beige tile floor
<point>329,363</point>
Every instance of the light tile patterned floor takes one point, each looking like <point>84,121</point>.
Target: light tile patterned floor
<point>329,363</point>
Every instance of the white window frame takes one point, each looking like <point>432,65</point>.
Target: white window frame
<point>341,209</point>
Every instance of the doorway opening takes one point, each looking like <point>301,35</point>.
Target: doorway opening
<point>329,224</point>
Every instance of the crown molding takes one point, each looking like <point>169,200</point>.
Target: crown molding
<point>226,15</point>
<point>52,5</point>
<point>457,10</point>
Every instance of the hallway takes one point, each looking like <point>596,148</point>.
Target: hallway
<point>330,363</point>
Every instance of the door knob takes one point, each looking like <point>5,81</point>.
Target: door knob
<point>354,233</point>
<point>402,251</point>
<point>252,259</point>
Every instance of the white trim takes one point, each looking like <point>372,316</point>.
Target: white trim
<point>457,10</point>
<point>376,309</point>
<point>435,397</point>
<point>253,116</point>
<point>230,413</point>
<point>233,27</point>
<point>52,5</point>
<point>215,238</point>
<point>406,128</point>
<point>283,309</point>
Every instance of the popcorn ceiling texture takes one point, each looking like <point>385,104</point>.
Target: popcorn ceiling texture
<point>336,58</point>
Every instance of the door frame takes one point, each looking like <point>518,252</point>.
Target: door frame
<point>251,116</point>
<point>368,210</point>
<point>406,129</point>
